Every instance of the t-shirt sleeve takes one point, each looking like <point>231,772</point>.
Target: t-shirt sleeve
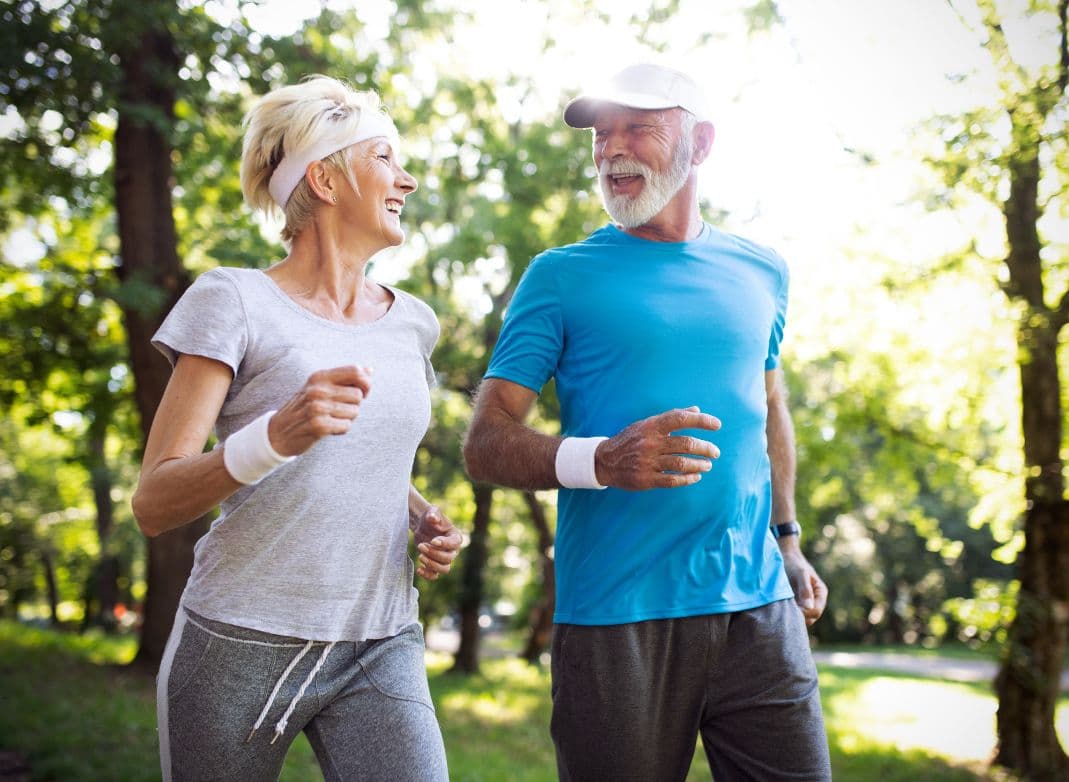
<point>208,320</point>
<point>532,335</point>
<point>772,360</point>
<point>429,331</point>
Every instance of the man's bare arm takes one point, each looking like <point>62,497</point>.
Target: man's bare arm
<point>500,448</point>
<point>781,450</point>
<point>810,592</point>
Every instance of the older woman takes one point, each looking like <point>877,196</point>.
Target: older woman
<point>300,613</point>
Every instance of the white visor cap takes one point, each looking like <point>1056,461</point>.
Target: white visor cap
<point>642,86</point>
<point>291,170</point>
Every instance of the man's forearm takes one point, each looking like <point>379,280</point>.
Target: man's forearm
<point>781,455</point>
<point>500,449</point>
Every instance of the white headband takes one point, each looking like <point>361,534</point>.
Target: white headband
<point>290,171</point>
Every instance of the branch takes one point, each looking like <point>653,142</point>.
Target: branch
<point>950,262</point>
<point>938,446</point>
<point>1044,205</point>
<point>1063,73</point>
<point>961,17</point>
<point>538,517</point>
<point>996,45</point>
<point>1060,316</point>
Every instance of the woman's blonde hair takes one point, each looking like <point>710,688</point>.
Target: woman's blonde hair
<point>287,121</point>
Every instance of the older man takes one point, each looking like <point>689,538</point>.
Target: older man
<point>682,592</point>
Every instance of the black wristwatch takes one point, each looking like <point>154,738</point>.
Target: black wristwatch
<point>785,529</point>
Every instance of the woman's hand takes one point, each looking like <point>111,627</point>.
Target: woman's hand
<point>438,543</point>
<point>328,404</point>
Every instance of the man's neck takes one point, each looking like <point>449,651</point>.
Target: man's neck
<point>663,228</point>
<point>679,221</point>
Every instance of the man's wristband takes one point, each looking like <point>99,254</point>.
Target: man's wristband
<point>575,462</point>
<point>786,529</point>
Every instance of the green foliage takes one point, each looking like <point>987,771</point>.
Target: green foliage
<point>26,488</point>
<point>762,16</point>
<point>50,56</point>
<point>887,506</point>
<point>44,527</point>
<point>987,613</point>
<point>68,386</point>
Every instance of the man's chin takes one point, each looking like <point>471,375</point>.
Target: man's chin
<point>625,214</point>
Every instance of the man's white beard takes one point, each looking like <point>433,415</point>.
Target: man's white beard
<point>658,187</point>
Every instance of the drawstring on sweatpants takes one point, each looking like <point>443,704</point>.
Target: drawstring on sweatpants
<point>280,726</point>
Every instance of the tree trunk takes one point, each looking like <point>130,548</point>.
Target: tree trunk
<point>53,589</point>
<point>104,584</point>
<point>893,628</point>
<point>152,275</point>
<point>1028,680</point>
<point>471,582</point>
<point>23,591</point>
<point>541,624</point>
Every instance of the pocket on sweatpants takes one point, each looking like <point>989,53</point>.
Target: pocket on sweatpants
<point>189,657</point>
<point>223,658</point>
<point>396,668</point>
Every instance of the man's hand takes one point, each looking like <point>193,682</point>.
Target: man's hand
<point>646,455</point>
<point>810,592</point>
<point>438,543</point>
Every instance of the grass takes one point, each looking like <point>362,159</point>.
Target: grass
<point>74,713</point>
<point>70,707</point>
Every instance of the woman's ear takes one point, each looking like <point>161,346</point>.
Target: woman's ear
<point>322,181</point>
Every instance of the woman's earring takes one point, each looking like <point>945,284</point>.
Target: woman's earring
<point>334,199</point>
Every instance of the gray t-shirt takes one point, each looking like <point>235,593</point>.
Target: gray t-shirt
<point>317,549</point>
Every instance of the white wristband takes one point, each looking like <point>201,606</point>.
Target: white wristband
<point>248,455</point>
<point>575,462</point>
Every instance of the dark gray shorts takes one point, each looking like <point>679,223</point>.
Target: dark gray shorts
<point>365,707</point>
<point>629,701</point>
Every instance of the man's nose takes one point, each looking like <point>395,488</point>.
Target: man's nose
<point>614,145</point>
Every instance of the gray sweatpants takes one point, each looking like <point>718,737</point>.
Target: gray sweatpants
<point>231,700</point>
<point>629,701</point>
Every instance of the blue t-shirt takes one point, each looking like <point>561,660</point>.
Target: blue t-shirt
<point>631,328</point>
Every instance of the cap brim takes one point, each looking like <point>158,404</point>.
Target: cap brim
<point>582,111</point>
